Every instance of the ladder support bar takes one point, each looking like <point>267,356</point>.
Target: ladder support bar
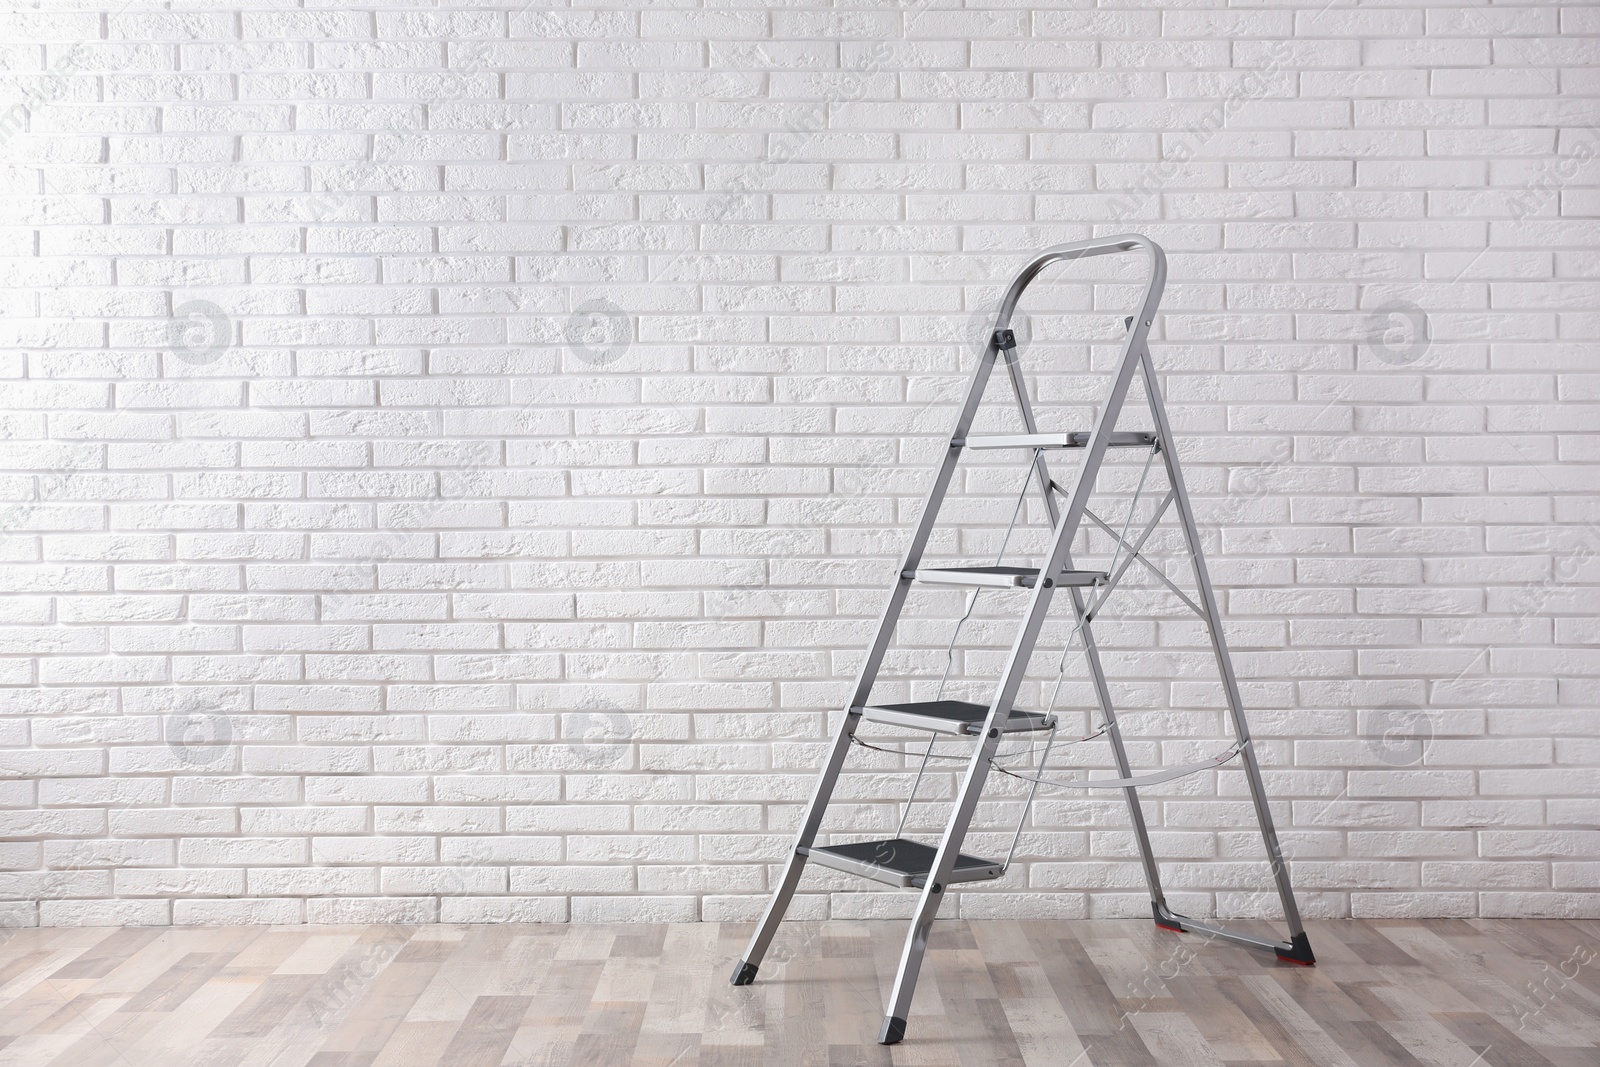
<point>1094,609</point>
<point>1133,550</point>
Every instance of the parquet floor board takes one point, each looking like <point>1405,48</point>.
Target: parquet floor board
<point>994,993</point>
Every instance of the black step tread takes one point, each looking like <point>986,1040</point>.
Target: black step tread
<point>949,716</point>
<point>952,710</point>
<point>901,861</point>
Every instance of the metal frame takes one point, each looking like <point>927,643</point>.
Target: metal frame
<point>1066,521</point>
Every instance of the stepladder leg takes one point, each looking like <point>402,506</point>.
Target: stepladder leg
<point>1108,711</point>
<point>905,979</point>
<point>744,972</point>
<point>1298,948</point>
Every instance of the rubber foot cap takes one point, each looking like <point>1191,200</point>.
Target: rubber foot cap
<point>1164,918</point>
<point>744,973</point>
<point>893,1030</point>
<point>1299,951</point>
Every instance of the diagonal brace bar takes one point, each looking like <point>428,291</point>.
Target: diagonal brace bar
<point>1133,550</point>
<point>1134,554</point>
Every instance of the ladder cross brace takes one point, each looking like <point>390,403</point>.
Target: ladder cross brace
<point>1135,554</point>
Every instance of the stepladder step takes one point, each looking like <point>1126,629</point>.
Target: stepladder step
<point>952,717</point>
<point>1002,577</point>
<point>1070,439</point>
<point>900,862</point>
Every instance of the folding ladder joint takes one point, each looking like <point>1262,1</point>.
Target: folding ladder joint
<point>1005,340</point>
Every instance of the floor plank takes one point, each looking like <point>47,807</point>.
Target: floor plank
<point>1101,993</point>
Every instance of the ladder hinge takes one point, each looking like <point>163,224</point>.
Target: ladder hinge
<point>1005,340</point>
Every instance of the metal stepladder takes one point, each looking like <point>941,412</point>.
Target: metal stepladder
<point>932,870</point>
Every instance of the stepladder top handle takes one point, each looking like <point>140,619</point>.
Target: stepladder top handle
<point>1155,280</point>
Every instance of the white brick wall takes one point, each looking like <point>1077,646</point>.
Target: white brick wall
<point>348,576</point>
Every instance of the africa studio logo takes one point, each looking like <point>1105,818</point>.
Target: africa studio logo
<point>200,332</point>
<point>598,740</point>
<point>1398,735</point>
<point>980,325</point>
<point>1397,333</point>
<point>199,740</point>
<point>598,332</point>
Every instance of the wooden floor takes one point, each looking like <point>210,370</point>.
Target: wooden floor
<point>1445,993</point>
